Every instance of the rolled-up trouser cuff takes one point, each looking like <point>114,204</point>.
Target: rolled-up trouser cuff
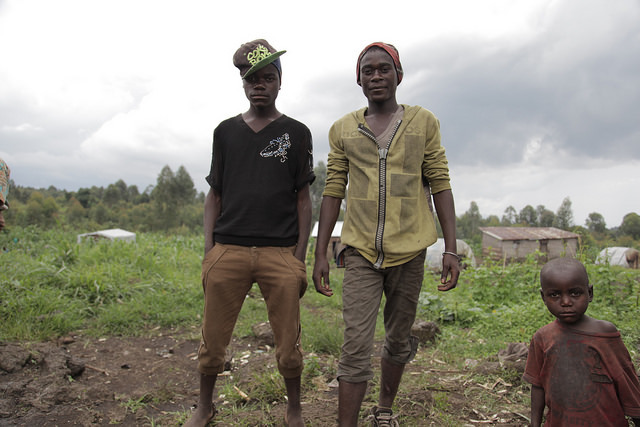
<point>402,360</point>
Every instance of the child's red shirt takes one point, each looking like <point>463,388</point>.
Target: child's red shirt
<point>588,378</point>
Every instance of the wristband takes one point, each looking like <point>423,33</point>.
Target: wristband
<point>451,253</point>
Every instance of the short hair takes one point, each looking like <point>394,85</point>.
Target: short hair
<point>564,265</point>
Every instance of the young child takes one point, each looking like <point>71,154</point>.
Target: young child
<point>577,365</point>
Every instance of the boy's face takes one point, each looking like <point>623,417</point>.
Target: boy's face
<point>378,76</point>
<point>262,87</point>
<point>566,295</point>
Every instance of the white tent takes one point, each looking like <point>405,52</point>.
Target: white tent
<point>434,254</point>
<point>624,257</point>
<point>112,234</point>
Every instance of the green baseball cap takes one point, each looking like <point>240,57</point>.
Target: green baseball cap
<point>254,55</point>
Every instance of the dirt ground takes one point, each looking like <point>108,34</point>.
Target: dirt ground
<point>152,381</point>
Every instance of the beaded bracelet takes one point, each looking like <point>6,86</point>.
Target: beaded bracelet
<point>451,253</point>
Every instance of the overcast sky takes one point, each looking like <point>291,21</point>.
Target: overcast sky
<point>538,100</point>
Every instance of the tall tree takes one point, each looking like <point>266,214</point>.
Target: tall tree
<point>528,216</point>
<point>171,197</point>
<point>595,223</point>
<point>114,194</point>
<point>631,225</point>
<point>564,215</point>
<point>183,187</point>
<point>510,216</point>
<point>164,200</point>
<point>75,212</point>
<point>545,216</point>
<point>162,193</point>
<point>133,193</point>
<point>492,221</point>
<point>84,197</point>
<point>469,222</point>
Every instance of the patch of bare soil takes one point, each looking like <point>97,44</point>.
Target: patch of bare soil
<point>152,381</point>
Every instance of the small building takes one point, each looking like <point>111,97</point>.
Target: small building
<point>515,243</point>
<point>111,234</point>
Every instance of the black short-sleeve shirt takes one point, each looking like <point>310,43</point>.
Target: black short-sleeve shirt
<point>258,175</point>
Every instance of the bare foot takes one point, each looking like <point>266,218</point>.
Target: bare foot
<point>201,417</point>
<point>293,417</point>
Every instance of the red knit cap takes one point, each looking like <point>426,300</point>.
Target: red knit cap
<point>391,50</point>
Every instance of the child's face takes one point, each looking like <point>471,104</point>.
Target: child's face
<point>566,295</point>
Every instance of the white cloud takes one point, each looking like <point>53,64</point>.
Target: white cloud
<point>530,94</point>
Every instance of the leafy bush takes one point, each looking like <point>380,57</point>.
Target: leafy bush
<point>500,304</point>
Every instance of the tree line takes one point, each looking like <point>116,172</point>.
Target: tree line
<point>174,205</point>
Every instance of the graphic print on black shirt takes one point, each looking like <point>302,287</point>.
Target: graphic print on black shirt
<point>277,148</point>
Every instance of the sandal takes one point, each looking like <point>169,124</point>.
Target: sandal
<point>383,417</point>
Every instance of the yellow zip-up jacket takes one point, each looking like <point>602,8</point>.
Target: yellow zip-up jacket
<point>387,219</point>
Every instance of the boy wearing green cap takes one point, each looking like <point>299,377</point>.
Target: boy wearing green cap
<point>257,222</point>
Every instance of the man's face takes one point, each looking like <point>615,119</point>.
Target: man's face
<point>262,87</point>
<point>378,76</point>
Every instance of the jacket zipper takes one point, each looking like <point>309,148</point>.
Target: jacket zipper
<point>382,187</point>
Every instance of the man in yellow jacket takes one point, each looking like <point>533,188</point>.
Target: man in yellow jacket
<point>390,156</point>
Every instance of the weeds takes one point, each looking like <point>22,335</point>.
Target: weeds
<point>51,286</point>
<point>134,405</point>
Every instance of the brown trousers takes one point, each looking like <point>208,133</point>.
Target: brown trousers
<point>362,291</point>
<point>228,273</point>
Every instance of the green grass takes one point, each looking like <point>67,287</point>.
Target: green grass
<point>50,285</point>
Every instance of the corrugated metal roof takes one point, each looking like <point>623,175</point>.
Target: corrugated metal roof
<point>528,233</point>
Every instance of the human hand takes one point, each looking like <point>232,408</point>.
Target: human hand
<point>450,272</point>
<point>321,276</point>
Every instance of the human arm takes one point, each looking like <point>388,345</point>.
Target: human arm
<point>445,209</point>
<point>304,222</point>
<point>537,405</point>
<point>329,211</point>
<point>212,205</point>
